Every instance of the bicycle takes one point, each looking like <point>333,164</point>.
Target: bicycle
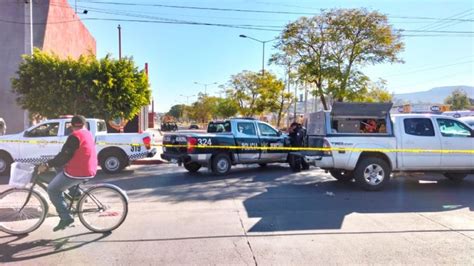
<point>101,208</point>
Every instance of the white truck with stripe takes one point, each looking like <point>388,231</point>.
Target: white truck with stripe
<point>43,141</point>
<point>403,142</point>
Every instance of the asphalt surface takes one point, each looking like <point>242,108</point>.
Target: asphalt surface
<point>264,216</point>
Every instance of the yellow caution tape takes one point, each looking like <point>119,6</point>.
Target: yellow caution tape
<point>247,148</point>
<point>317,149</point>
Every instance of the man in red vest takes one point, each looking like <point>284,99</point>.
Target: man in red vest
<point>79,161</point>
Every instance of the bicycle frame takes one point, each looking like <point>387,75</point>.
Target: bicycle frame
<point>43,185</point>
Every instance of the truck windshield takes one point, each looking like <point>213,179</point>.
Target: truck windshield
<point>218,127</point>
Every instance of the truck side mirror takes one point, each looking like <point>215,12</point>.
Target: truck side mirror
<point>279,133</point>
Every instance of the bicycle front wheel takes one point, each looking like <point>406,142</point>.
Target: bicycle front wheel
<point>102,208</point>
<point>16,220</point>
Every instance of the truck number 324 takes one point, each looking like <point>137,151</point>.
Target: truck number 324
<point>206,142</point>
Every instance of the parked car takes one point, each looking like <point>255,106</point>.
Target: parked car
<point>249,134</point>
<point>169,126</point>
<point>42,142</point>
<point>193,126</point>
<point>405,142</point>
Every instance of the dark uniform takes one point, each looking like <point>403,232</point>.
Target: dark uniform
<point>297,135</point>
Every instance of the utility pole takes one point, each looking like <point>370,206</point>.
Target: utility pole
<point>26,116</point>
<point>305,99</point>
<point>120,41</point>
<point>296,102</point>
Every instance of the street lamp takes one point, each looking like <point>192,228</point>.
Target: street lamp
<point>187,97</point>
<point>263,44</point>
<point>205,85</point>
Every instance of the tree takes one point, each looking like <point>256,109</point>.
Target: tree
<point>227,107</point>
<point>255,93</point>
<point>204,109</point>
<point>329,49</point>
<point>372,92</point>
<point>176,111</point>
<point>458,100</point>
<point>50,86</point>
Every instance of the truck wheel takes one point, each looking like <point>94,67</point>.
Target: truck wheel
<point>5,163</point>
<point>455,177</point>
<point>112,162</point>
<point>372,173</point>
<point>342,175</point>
<point>192,167</point>
<point>221,164</point>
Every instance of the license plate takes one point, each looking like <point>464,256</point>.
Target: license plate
<point>174,161</point>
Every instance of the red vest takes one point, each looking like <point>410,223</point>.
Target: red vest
<point>83,163</point>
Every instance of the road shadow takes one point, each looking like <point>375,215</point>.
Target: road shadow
<point>174,184</point>
<point>11,251</point>
<point>324,205</point>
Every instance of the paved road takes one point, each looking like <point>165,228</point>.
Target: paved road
<point>265,216</point>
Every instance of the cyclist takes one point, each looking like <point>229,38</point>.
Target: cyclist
<point>79,159</point>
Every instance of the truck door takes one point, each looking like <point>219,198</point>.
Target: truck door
<point>419,133</point>
<point>269,137</point>
<point>41,143</point>
<point>455,136</point>
<point>246,137</point>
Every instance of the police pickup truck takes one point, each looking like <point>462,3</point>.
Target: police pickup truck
<point>43,141</point>
<point>362,141</point>
<point>226,143</point>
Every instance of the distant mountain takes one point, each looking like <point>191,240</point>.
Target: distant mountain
<point>435,95</point>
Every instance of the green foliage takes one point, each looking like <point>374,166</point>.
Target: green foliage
<point>204,109</point>
<point>50,86</point>
<point>369,91</point>
<point>458,100</point>
<point>176,111</point>
<point>329,49</point>
<point>255,93</point>
<point>227,107</point>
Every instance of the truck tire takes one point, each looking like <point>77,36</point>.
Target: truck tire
<point>455,177</point>
<point>112,162</point>
<point>372,173</point>
<point>221,164</point>
<point>5,163</point>
<point>342,175</point>
<point>192,167</point>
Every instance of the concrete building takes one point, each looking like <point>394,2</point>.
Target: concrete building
<point>56,28</point>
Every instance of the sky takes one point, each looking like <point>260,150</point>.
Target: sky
<point>179,56</point>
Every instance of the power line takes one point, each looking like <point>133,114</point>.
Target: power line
<point>430,68</point>
<point>251,10</point>
<point>443,20</point>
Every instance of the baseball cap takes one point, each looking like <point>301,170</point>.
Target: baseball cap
<point>78,121</point>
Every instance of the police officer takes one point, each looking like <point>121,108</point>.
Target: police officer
<point>3,127</point>
<point>297,135</point>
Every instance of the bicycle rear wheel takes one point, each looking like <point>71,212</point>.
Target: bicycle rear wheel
<point>102,208</point>
<point>17,221</point>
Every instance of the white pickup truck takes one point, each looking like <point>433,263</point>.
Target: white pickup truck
<point>43,141</point>
<point>407,142</point>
